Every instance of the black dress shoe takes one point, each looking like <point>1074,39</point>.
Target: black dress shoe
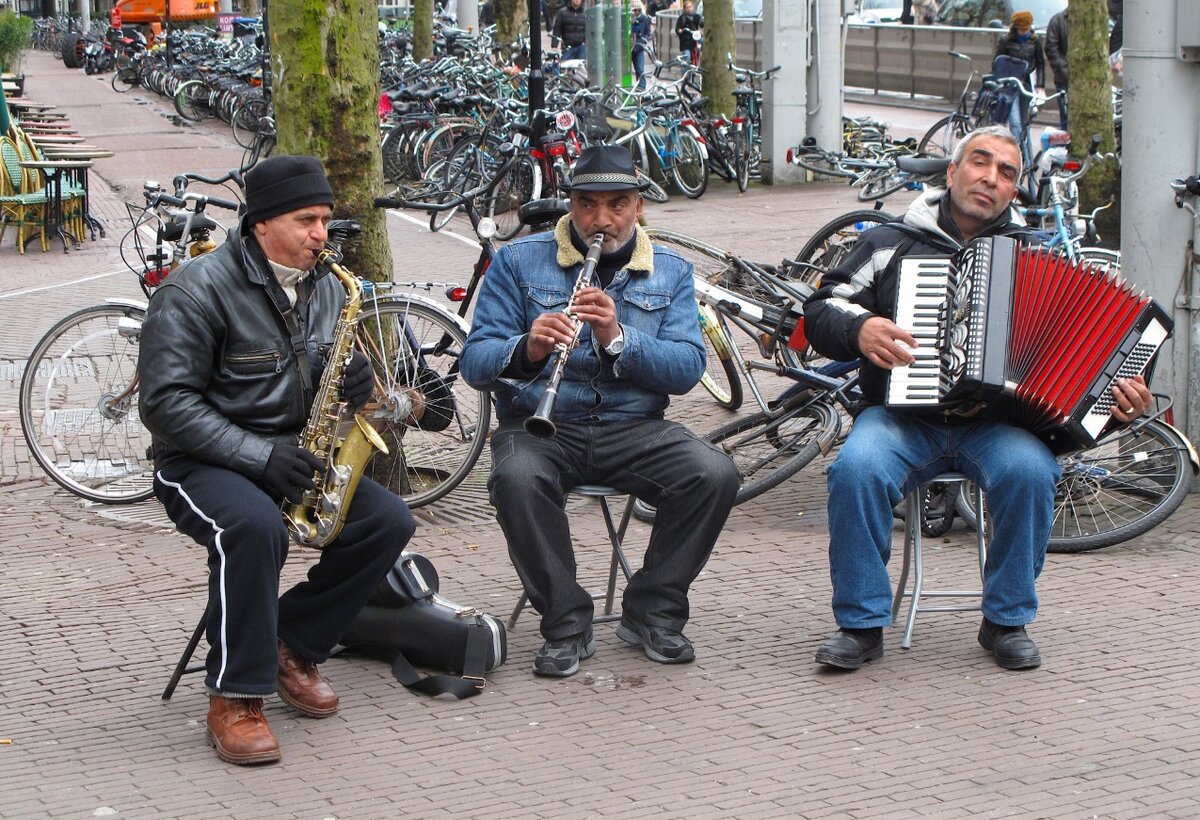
<point>851,648</point>
<point>1010,645</point>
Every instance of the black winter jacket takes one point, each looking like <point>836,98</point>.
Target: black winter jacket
<point>864,285</point>
<point>1056,47</point>
<point>570,26</point>
<point>220,381</point>
<point>1030,51</point>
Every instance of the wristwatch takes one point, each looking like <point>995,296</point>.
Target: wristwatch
<point>615,347</point>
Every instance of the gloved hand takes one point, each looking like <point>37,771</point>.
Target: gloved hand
<point>289,472</point>
<point>358,380</point>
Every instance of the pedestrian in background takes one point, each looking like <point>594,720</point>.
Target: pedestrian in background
<point>570,30</point>
<point>640,30</point>
<point>1056,53</point>
<point>686,27</point>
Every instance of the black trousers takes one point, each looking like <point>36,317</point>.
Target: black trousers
<point>692,483</point>
<point>247,542</point>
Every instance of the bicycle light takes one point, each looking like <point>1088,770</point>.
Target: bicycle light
<point>456,293</point>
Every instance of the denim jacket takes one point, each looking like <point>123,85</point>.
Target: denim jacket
<point>656,307</point>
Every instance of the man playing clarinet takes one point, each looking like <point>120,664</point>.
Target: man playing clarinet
<point>888,453</point>
<point>636,343</point>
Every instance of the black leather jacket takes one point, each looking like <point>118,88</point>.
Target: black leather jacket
<point>220,380</point>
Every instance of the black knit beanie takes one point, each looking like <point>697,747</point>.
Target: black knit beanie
<point>281,184</point>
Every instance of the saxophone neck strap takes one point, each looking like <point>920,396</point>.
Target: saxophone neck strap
<point>300,349</point>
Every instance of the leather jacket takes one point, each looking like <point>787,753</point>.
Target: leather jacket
<point>220,379</point>
<point>656,306</point>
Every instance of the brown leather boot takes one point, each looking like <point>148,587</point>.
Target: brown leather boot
<point>302,687</point>
<point>238,729</point>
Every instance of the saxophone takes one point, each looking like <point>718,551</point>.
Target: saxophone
<point>320,515</point>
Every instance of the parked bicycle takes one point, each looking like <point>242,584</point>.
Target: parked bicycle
<point>78,395</point>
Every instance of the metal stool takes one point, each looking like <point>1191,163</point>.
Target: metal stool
<point>616,535</point>
<point>182,667</point>
<point>913,556</point>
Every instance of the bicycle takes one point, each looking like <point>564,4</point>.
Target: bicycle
<point>808,417</point>
<point>747,120</point>
<point>78,395</point>
<point>1063,231</point>
<point>1124,486</point>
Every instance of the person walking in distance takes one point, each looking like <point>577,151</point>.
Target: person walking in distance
<point>638,344</point>
<point>1056,52</point>
<point>230,362</point>
<point>686,26</point>
<point>640,31</point>
<point>889,453</point>
<point>570,31</point>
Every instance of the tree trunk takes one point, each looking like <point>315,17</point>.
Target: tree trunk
<point>512,20</point>
<point>1091,112</point>
<point>422,29</point>
<point>719,43</point>
<point>325,87</point>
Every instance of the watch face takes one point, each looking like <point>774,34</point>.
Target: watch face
<point>614,347</point>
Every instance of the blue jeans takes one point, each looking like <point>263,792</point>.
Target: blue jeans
<point>575,52</point>
<point>886,455</point>
<point>639,68</point>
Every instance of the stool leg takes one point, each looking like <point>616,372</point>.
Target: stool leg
<point>181,668</point>
<point>516,613</point>
<point>913,524</point>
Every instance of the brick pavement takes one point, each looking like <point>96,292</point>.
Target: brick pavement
<point>97,605</point>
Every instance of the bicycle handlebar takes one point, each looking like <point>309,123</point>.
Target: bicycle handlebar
<point>201,201</point>
<point>1187,187</point>
<point>234,175</point>
<point>1025,92</point>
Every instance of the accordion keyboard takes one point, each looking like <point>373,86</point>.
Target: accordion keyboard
<point>920,309</point>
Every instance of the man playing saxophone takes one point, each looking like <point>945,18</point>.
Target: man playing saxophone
<point>231,357</point>
<point>638,343</point>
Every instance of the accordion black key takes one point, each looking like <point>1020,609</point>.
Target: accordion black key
<point>1032,334</point>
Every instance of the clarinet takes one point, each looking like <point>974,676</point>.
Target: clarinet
<point>539,424</point>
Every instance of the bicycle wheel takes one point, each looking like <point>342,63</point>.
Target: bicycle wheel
<point>943,135</point>
<point>1125,486</point>
<point>832,243</point>
<point>881,183</point>
<point>521,184</point>
<point>78,405</point>
<point>126,75</point>
<point>688,169</point>
<point>720,377</point>
<point>435,425</point>
<point>1106,260</point>
<point>741,157</point>
<point>246,121</point>
<point>820,162</point>
<point>395,163</point>
<point>770,448</point>
<point>191,101</point>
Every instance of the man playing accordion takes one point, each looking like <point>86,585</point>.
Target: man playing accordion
<point>889,453</point>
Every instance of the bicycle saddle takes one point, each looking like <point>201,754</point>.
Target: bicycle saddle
<point>923,166</point>
<point>173,229</point>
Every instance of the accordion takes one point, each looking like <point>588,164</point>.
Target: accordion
<point>1038,338</point>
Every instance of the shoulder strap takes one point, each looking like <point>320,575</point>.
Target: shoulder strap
<point>939,242</point>
<point>468,685</point>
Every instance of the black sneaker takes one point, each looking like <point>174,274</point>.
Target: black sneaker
<point>560,658</point>
<point>660,644</point>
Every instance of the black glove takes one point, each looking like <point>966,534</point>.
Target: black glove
<point>289,472</point>
<point>358,380</point>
